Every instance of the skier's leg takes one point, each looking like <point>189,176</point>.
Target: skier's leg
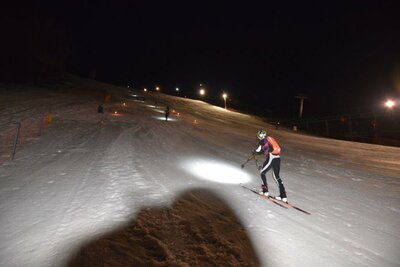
<point>264,185</point>
<point>276,167</point>
<point>266,166</point>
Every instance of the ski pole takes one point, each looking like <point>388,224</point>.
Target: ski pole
<point>244,163</point>
<point>250,158</point>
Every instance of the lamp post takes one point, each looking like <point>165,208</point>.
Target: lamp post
<point>224,96</point>
<point>301,97</point>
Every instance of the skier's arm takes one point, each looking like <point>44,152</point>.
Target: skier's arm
<point>258,150</point>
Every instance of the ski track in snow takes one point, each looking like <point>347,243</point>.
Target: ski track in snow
<point>84,177</point>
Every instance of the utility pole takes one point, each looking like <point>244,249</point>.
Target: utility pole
<point>301,97</point>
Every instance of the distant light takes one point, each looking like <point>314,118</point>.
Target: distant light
<point>124,104</point>
<point>177,89</point>
<point>115,112</point>
<point>202,91</point>
<point>220,172</point>
<point>145,89</point>
<point>158,88</point>
<point>390,103</point>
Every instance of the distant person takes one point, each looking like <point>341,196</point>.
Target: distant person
<point>166,113</point>
<point>100,109</point>
<point>271,149</point>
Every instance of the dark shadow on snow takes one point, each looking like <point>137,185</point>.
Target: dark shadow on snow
<point>199,229</point>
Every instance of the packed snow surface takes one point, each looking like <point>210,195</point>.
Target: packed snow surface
<point>127,186</point>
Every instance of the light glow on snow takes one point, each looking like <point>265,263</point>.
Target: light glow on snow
<point>163,118</point>
<point>116,114</point>
<point>219,172</point>
<point>220,109</point>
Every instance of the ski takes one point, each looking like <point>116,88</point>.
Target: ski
<point>273,200</point>
<point>290,205</point>
<point>281,203</point>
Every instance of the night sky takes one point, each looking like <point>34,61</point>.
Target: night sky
<point>344,57</point>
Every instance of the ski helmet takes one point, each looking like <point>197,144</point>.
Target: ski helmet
<point>261,134</point>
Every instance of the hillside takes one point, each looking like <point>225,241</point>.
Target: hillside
<point>128,187</point>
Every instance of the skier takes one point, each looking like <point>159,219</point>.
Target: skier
<point>270,148</point>
<point>100,109</point>
<point>166,113</point>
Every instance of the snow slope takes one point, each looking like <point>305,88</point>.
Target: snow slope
<point>129,187</point>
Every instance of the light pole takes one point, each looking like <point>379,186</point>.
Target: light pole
<point>224,96</point>
<point>301,97</point>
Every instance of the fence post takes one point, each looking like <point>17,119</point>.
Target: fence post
<point>16,140</point>
<point>350,129</point>
<point>327,127</point>
<point>375,138</point>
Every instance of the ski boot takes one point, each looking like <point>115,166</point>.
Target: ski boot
<point>284,199</point>
<point>264,191</point>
